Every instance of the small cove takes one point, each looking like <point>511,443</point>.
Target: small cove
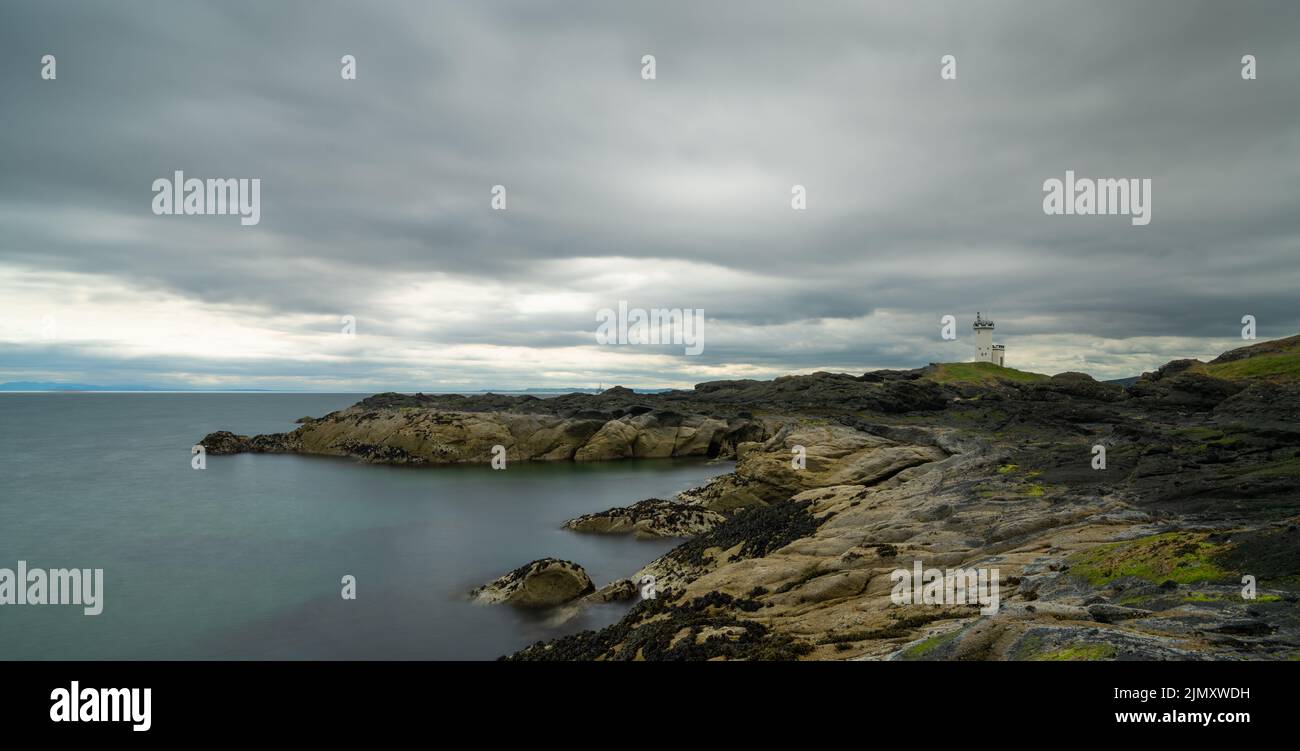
<point>243,560</point>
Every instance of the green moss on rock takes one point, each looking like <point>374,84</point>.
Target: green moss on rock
<point>921,650</point>
<point>1182,557</point>
<point>1077,653</point>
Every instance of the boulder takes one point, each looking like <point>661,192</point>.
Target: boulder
<point>618,590</point>
<point>1107,613</point>
<point>544,583</point>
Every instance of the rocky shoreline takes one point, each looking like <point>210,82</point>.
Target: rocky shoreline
<point>954,466</point>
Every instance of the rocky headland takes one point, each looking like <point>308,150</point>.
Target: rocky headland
<point>841,480</point>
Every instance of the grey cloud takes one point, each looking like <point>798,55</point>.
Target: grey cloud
<point>924,195</point>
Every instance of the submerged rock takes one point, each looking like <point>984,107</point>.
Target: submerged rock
<point>544,583</point>
<point>618,590</point>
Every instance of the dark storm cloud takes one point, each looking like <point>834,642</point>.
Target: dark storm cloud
<point>924,195</point>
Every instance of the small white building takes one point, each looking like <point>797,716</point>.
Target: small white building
<point>985,349</point>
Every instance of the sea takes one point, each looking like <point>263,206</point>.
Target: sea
<point>246,559</point>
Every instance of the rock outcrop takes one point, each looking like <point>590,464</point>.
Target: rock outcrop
<point>618,590</point>
<point>802,456</point>
<point>841,480</point>
<point>653,517</point>
<point>544,583</point>
<point>410,435</point>
<point>1143,559</point>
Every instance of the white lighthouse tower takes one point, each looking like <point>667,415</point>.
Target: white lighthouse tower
<point>985,349</point>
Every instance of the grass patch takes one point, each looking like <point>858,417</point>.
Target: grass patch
<point>1222,597</point>
<point>1278,359</point>
<point>978,372</point>
<point>920,650</point>
<point>1183,557</point>
<point>1028,647</point>
<point>1279,366</point>
<point>1202,436</point>
<point>1283,468</point>
<point>1078,653</point>
<point>1135,599</point>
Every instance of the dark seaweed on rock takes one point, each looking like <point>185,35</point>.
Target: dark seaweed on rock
<point>702,629</point>
<point>653,516</point>
<point>758,530</point>
<point>384,454</point>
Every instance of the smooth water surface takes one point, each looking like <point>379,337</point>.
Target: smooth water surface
<point>244,559</point>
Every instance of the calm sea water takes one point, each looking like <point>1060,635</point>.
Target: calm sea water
<point>243,560</point>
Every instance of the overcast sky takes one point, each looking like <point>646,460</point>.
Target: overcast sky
<point>924,196</point>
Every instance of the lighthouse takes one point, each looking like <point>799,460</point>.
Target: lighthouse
<point>985,349</point>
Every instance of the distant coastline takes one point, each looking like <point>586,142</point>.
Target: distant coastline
<point>39,387</point>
